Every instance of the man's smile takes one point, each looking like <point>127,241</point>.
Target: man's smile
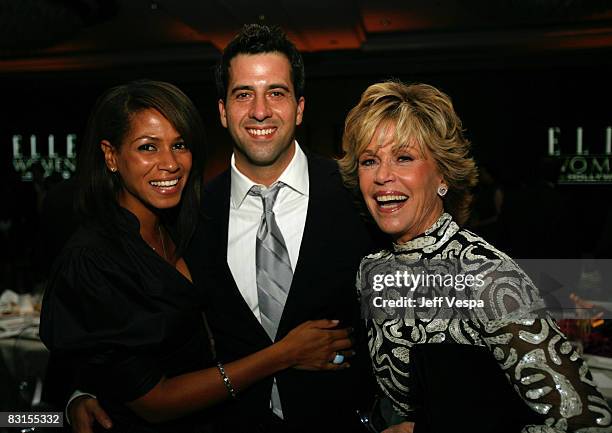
<point>261,132</point>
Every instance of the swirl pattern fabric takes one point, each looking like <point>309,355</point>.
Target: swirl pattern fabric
<point>531,351</point>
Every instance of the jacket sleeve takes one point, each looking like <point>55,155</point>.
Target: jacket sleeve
<point>549,375</point>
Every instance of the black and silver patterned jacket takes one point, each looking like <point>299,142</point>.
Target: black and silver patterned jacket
<point>506,319</point>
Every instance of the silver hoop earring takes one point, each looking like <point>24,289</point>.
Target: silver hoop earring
<point>442,190</point>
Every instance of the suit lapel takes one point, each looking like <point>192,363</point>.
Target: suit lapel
<point>320,204</point>
<point>314,229</point>
<point>215,214</point>
<point>216,209</point>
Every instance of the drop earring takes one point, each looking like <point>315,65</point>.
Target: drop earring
<point>442,190</point>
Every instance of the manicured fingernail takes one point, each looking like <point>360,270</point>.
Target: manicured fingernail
<point>335,322</point>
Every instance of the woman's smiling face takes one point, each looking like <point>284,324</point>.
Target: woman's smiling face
<point>153,162</point>
<point>399,185</point>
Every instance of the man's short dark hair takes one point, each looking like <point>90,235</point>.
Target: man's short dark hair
<point>258,39</point>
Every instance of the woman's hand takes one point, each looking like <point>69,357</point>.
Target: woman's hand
<point>405,427</point>
<point>85,412</point>
<point>314,344</point>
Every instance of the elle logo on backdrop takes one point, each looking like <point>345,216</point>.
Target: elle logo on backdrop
<point>582,164</point>
<point>54,156</point>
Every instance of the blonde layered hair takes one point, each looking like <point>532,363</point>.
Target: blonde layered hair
<point>422,116</point>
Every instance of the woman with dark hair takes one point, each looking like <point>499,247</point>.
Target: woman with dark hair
<point>120,302</point>
<point>100,181</point>
<point>457,334</point>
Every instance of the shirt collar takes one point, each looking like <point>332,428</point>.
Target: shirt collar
<point>294,176</point>
<point>433,238</point>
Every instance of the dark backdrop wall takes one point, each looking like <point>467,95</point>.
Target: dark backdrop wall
<point>507,104</point>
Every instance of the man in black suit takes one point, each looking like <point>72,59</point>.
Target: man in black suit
<point>260,79</point>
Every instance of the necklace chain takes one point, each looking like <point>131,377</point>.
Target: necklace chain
<point>161,238</point>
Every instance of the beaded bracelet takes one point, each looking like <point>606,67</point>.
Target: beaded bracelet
<point>226,381</point>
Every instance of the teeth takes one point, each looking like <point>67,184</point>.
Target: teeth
<point>385,198</point>
<point>260,131</point>
<point>164,182</point>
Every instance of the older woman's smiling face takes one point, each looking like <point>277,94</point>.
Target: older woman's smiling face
<point>399,186</point>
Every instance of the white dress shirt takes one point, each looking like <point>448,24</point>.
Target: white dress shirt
<point>290,210</point>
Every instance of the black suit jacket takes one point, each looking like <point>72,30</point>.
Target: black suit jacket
<point>334,241</point>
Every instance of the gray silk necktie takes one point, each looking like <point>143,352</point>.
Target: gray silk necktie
<point>274,273</point>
